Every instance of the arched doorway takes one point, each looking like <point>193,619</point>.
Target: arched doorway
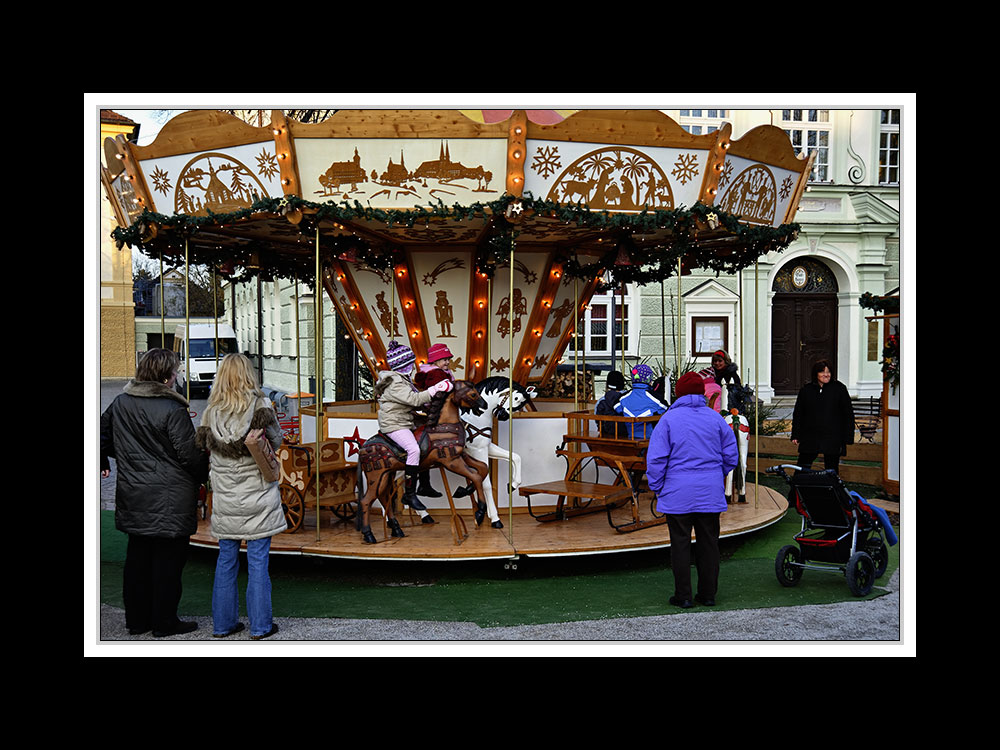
<point>803,322</point>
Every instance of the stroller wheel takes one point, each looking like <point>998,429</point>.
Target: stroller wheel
<point>786,566</point>
<point>860,574</point>
<point>879,554</point>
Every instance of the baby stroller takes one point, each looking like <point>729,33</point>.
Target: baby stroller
<point>840,531</point>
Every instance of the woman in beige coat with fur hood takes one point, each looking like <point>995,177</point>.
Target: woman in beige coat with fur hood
<point>244,505</point>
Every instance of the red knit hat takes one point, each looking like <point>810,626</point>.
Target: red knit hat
<point>691,383</point>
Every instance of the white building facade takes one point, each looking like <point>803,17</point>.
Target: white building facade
<point>799,305</point>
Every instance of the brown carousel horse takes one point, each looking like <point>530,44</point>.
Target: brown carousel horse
<point>442,443</point>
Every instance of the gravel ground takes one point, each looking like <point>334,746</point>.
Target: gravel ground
<point>875,621</point>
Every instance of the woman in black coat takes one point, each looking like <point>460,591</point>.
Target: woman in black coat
<point>148,431</point>
<point>823,419</point>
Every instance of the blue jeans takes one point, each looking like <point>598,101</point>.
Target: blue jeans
<point>225,598</point>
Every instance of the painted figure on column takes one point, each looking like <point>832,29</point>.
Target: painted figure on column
<point>511,313</point>
<point>444,313</point>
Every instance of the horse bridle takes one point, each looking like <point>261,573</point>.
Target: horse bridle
<point>472,432</point>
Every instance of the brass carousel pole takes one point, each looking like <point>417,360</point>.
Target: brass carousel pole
<point>576,345</point>
<point>187,325</point>
<point>622,311</point>
<point>740,326</point>
<point>489,326</point>
<point>319,375</point>
<point>510,396</point>
<point>298,369</point>
<point>756,394</point>
<point>663,336</point>
<point>680,331</point>
<point>163,334</point>
<point>215,312</point>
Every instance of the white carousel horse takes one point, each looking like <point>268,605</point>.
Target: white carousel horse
<point>738,423</point>
<point>479,436</point>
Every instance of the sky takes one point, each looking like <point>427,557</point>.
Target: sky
<point>150,121</point>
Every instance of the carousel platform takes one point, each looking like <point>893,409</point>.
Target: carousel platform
<point>522,534</point>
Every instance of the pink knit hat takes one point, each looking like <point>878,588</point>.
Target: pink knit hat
<point>438,351</point>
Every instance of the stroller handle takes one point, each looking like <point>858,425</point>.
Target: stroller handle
<point>780,469</point>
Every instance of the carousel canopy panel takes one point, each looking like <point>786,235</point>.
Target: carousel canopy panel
<point>486,230</point>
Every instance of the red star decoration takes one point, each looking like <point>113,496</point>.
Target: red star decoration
<point>354,442</point>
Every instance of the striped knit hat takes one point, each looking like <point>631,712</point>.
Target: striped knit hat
<point>399,357</point>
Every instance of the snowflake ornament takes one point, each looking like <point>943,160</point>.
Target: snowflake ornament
<point>546,161</point>
<point>686,168</point>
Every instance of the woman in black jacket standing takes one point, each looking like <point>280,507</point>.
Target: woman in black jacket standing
<point>148,431</point>
<point>823,419</point>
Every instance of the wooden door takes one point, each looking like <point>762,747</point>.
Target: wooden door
<point>803,329</point>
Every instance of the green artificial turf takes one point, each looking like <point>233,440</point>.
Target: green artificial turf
<point>541,590</point>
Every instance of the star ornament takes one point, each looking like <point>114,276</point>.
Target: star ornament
<point>515,209</point>
<point>354,443</point>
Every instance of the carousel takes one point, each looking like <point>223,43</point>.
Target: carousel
<point>487,232</point>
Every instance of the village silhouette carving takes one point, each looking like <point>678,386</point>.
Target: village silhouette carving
<point>432,179</point>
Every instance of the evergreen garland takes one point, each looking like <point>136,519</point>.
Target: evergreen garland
<point>889,305</point>
<point>632,261</point>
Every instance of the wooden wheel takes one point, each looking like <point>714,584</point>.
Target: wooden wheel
<point>293,505</point>
<point>345,511</point>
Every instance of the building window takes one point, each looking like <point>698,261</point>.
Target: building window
<point>708,335</point>
<point>888,148</point>
<point>602,325</point>
<point>809,131</point>
<point>701,121</point>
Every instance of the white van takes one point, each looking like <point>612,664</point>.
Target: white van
<point>202,348</point>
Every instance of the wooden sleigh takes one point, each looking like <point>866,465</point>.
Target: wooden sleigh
<point>301,483</point>
<point>585,449</point>
<point>337,479</point>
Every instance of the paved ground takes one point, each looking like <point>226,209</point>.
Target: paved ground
<point>876,622</point>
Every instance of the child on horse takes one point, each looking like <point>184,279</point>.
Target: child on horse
<point>398,397</point>
<point>438,368</point>
<point>439,358</point>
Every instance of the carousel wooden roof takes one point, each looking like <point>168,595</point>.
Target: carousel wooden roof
<point>627,191</point>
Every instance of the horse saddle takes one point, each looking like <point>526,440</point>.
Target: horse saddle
<point>446,439</point>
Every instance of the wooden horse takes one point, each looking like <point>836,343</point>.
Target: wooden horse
<point>736,480</point>
<point>479,435</point>
<point>442,443</point>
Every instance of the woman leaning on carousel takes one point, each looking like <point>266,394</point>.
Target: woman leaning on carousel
<point>244,505</point>
<point>147,429</point>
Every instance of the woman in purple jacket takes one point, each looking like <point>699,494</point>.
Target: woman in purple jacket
<point>690,452</point>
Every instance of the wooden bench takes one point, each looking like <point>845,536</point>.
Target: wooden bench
<point>867,416</point>
<point>575,492</point>
<point>625,456</point>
